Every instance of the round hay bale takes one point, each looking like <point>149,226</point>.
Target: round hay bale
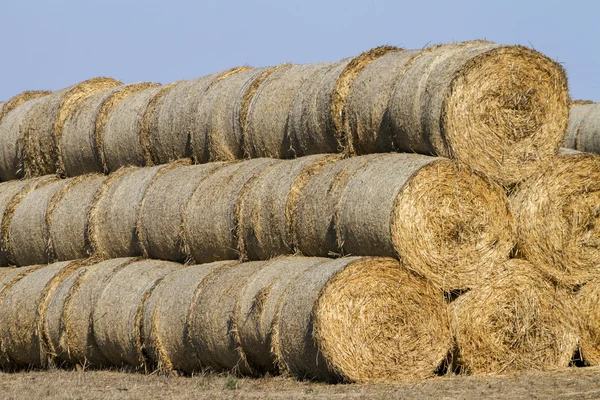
<point>443,221</point>
<point>209,224</point>
<point>116,209</point>
<point>576,116</point>
<point>120,142</point>
<point>556,215</point>
<point>588,128</point>
<point>516,320</point>
<point>218,134</point>
<point>362,320</point>
<point>311,121</point>
<point>160,221</point>
<point>12,138</point>
<point>499,109</point>
<point>267,123</point>
<point>16,101</point>
<point>119,311</point>
<point>588,312</point>
<point>167,338</point>
<point>258,304</point>
<point>76,345</point>
<point>22,313</point>
<point>28,230</point>
<point>67,217</point>
<point>83,129</point>
<point>45,121</point>
<point>264,207</point>
<point>213,319</point>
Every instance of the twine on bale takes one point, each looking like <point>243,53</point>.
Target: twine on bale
<point>515,320</point>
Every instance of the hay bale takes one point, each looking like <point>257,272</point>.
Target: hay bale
<point>264,208</point>
<point>12,138</point>
<point>167,339</point>
<point>160,221</point>
<point>22,313</point>
<point>120,143</point>
<point>76,345</point>
<point>212,322</point>
<point>217,133</point>
<point>118,314</point>
<point>209,218</point>
<point>28,229</point>
<point>45,121</point>
<point>499,109</point>
<point>84,129</point>
<point>515,321</point>
<point>556,215</point>
<point>583,131</point>
<point>576,116</point>
<point>362,320</point>
<point>16,101</point>
<point>587,313</point>
<point>267,124</point>
<point>67,217</point>
<point>116,209</point>
<point>258,304</point>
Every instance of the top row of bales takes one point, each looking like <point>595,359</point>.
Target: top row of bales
<point>498,109</point>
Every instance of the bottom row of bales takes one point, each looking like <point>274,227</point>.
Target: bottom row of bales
<point>353,319</point>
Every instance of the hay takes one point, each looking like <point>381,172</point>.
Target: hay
<point>167,339</point>
<point>117,316</point>
<point>556,214</point>
<point>77,345</point>
<point>218,134</point>
<point>362,320</point>
<point>28,229</point>
<point>262,214</point>
<point>258,305</point>
<point>83,129</point>
<point>120,143</point>
<point>499,109</point>
<point>580,102</point>
<point>115,211</point>
<point>16,101</point>
<point>8,191</point>
<point>583,130</point>
<point>516,321</point>
<point>588,311</point>
<point>213,321</point>
<point>44,125</point>
<point>67,217</point>
<point>12,141</point>
<point>160,222</point>
<point>209,216</point>
<point>267,124</point>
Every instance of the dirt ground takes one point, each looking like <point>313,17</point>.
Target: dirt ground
<point>574,383</point>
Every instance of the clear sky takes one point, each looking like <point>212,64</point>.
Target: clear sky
<point>52,44</point>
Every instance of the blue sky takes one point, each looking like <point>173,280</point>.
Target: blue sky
<point>53,44</point>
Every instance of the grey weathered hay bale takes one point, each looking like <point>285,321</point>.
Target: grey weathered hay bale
<point>76,344</point>
<point>12,138</point>
<point>556,215</point>
<point>44,125</point>
<point>588,313</point>
<point>515,320</point>
<point>167,338</point>
<point>258,304</point>
<point>583,132</point>
<point>67,217</point>
<point>121,143</point>
<point>265,206</point>
<point>310,122</point>
<point>83,129</point>
<point>118,314</point>
<point>21,312</point>
<point>209,218</point>
<point>16,101</point>
<point>8,192</point>
<point>366,110</point>
<point>362,320</point>
<point>160,222</point>
<point>212,322</point>
<point>499,109</point>
<point>217,133</point>
<point>29,233</point>
<point>267,124</point>
<point>115,211</point>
